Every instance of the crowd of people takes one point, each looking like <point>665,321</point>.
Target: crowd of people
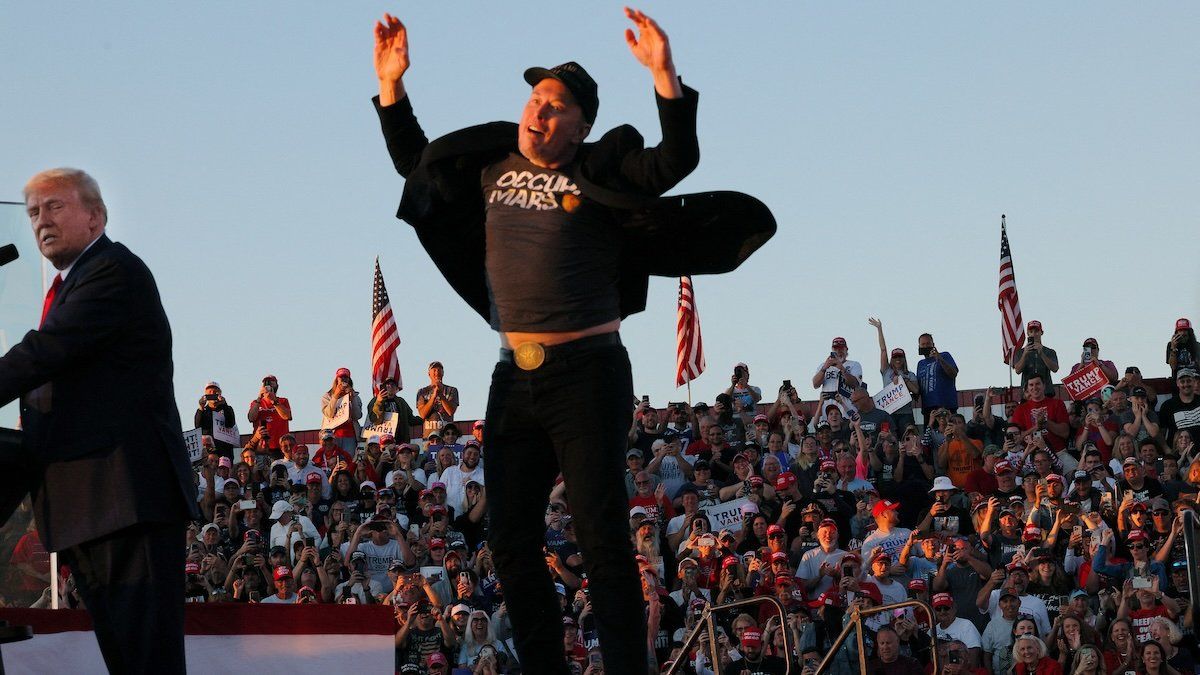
<point>1047,538</point>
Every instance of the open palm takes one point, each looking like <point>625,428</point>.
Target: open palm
<point>649,45</point>
<point>391,49</point>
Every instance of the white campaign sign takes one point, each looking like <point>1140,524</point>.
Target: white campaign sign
<point>893,397</point>
<point>341,414</point>
<point>191,439</point>
<point>726,516</point>
<point>387,426</point>
<point>223,433</point>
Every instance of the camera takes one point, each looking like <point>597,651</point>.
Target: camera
<point>211,397</point>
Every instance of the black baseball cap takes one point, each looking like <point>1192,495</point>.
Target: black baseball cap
<point>576,80</point>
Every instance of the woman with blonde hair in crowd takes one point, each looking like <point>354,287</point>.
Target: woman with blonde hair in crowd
<point>479,634</point>
<point>1168,636</point>
<point>1029,653</point>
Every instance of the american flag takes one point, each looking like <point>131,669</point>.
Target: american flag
<point>689,351</point>
<point>384,335</point>
<point>1012,327</point>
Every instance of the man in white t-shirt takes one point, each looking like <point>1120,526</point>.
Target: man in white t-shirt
<point>950,626</point>
<point>819,566</point>
<point>668,464</point>
<point>837,374</point>
<point>284,595</point>
<point>285,518</point>
<point>382,542</point>
<point>456,477</point>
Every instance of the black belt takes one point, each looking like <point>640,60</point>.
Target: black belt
<point>532,355</point>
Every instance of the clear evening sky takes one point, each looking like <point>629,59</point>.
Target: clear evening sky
<point>240,157</point>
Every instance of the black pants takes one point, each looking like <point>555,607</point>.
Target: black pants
<point>571,414</point>
<point>132,584</point>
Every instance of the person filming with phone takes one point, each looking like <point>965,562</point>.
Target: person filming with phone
<point>1035,359</point>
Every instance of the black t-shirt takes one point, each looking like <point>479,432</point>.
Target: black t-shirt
<point>1174,415</point>
<point>1150,489</point>
<point>670,620</point>
<point>421,643</point>
<point>553,256</point>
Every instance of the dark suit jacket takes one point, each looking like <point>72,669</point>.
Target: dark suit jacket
<point>103,447</point>
<point>708,233</point>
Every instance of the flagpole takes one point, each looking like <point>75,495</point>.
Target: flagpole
<point>689,386</point>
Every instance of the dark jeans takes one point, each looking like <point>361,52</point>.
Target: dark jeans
<point>132,584</point>
<point>571,415</point>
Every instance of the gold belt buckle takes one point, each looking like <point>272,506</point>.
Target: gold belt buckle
<point>529,355</point>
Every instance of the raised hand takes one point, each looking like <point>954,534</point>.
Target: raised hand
<point>652,49</point>
<point>875,322</point>
<point>649,45</point>
<point>391,49</point>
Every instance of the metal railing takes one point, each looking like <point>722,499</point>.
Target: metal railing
<point>1190,554</point>
<point>706,624</point>
<point>855,624</point>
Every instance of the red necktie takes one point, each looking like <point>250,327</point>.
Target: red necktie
<point>50,298</point>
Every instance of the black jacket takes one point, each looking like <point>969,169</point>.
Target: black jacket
<point>103,447</point>
<point>708,233</point>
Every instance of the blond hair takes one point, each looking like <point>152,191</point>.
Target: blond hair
<point>84,184</point>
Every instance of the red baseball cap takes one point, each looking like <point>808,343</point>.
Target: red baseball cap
<point>1033,324</point>
<point>918,585</point>
<point>437,543</point>
<point>943,600</point>
<point>884,505</point>
<point>729,561</point>
<point>283,572</point>
<point>1136,535</point>
<point>830,598</point>
<point>828,522</point>
<point>1004,466</point>
<point>342,372</point>
<point>774,529</point>
<point>761,418</point>
<point>1183,324</point>
<point>312,478</point>
<point>191,568</point>
<point>897,352</point>
<point>779,556</point>
<point>784,481</point>
<point>1055,477</point>
<point>871,591</point>
<point>756,481</point>
<point>828,465</point>
<point>751,638</point>
<point>1032,532</point>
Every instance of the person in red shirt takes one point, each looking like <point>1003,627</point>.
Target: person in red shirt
<point>273,412</point>
<point>1041,415</point>
<point>329,455</point>
<point>983,480</point>
<point>655,501</point>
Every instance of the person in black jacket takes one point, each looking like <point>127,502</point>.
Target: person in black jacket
<point>551,240</point>
<point>99,417</point>
<point>213,403</point>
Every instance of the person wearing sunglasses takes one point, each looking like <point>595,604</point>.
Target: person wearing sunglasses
<point>1140,564</point>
